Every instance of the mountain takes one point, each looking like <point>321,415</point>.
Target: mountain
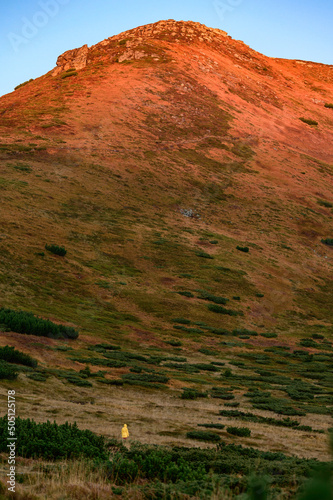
<point>189,179</point>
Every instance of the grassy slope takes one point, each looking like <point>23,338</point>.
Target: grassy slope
<point>105,163</point>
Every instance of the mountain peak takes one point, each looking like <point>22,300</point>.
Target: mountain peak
<point>120,47</point>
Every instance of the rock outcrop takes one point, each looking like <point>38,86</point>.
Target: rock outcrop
<point>127,45</point>
<point>76,59</point>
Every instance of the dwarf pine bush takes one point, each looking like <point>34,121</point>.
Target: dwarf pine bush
<point>56,249</point>
<point>26,322</point>
<point>12,355</point>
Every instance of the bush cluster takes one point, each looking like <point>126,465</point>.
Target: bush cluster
<point>251,417</point>
<point>52,441</point>
<point>145,377</point>
<point>26,322</point>
<point>309,121</point>
<point>222,310</point>
<point>239,431</point>
<point>68,74</point>
<point>56,249</point>
<point>12,355</point>
<point>193,394</point>
<point>7,371</point>
<point>212,298</point>
<point>23,84</point>
<point>328,241</point>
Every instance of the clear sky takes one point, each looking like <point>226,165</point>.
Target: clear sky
<point>34,32</point>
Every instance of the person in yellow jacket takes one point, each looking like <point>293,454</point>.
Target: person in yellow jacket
<point>124,432</point>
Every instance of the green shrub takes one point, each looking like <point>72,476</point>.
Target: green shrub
<point>145,377</point>
<point>212,298</point>
<point>183,321</point>
<point>239,431</point>
<point>243,249</point>
<point>317,336</point>
<point>108,347</point>
<point>221,393</point>
<point>222,310</point>
<point>11,355</point>
<point>212,426</point>
<point>328,241</point>
<point>56,250</point>
<point>174,343</point>
<point>208,352</point>
<point>21,167</point>
<point>269,335</point>
<point>244,331</point>
<point>309,121</point>
<point>39,377</point>
<point>206,367</point>
<point>308,343</point>
<point>80,382</point>
<point>251,417</point>
<point>68,74</point>
<point>52,441</point>
<point>116,382</point>
<point>23,84</point>
<point>186,294</point>
<point>193,394</point>
<point>7,371</point>
<point>204,436</point>
<point>328,105</point>
<point>325,203</point>
<point>25,322</point>
<point>204,255</point>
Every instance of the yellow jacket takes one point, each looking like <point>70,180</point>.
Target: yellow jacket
<point>124,432</point>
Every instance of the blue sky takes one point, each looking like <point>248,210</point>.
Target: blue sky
<point>34,32</point>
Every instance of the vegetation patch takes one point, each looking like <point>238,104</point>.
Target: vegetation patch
<point>145,377</point>
<point>222,310</point>
<point>239,431</point>
<point>56,249</point>
<point>52,441</point>
<point>309,121</point>
<point>251,417</point>
<point>7,371</point>
<point>193,394</point>
<point>12,355</point>
<point>325,203</point>
<point>328,241</point>
<point>68,74</point>
<point>204,255</point>
<point>23,84</point>
<point>25,322</point>
<point>212,298</point>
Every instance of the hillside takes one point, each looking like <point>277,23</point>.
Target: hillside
<point>151,157</point>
